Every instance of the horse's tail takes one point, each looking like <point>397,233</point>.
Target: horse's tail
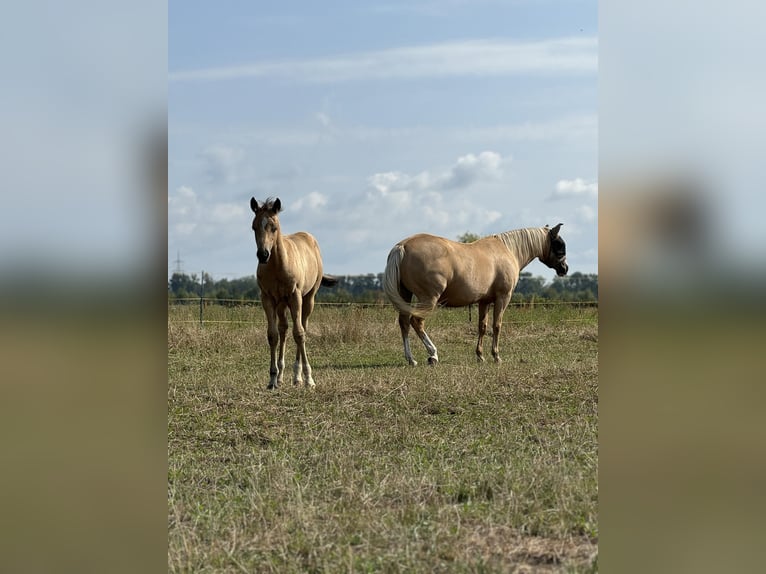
<point>391,282</point>
<point>329,281</point>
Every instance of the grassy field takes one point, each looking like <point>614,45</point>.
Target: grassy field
<point>384,467</point>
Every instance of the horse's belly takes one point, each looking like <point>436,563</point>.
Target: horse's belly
<point>459,297</point>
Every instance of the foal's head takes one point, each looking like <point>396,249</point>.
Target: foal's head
<point>265,226</point>
<point>557,252</point>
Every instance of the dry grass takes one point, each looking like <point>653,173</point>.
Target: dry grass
<point>384,467</point>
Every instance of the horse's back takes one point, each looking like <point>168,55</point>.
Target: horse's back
<point>305,241</point>
<point>434,252</point>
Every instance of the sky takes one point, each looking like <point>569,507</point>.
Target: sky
<point>372,121</point>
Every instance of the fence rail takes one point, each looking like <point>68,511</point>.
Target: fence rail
<point>214,308</point>
<point>362,304</point>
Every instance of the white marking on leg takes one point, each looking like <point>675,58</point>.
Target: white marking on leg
<point>433,356</point>
<point>307,375</point>
<point>297,376</point>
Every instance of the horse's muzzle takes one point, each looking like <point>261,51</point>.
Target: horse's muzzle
<point>562,269</point>
<point>263,256</point>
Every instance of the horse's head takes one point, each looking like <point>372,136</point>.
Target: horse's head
<point>265,226</point>
<point>557,252</point>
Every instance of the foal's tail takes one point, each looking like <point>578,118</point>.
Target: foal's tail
<point>329,281</point>
<point>391,282</point>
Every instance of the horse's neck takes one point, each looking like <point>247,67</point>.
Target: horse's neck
<point>526,244</point>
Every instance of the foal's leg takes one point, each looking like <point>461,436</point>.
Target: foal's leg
<point>272,334</point>
<point>299,334</point>
<point>483,308</point>
<point>306,309</point>
<point>418,324</point>
<point>497,321</point>
<point>282,317</point>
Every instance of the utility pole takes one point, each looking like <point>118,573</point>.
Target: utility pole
<point>201,295</point>
<point>178,269</point>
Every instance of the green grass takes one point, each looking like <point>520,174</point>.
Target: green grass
<point>383,467</point>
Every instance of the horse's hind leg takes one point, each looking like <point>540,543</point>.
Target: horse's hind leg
<point>418,323</point>
<point>497,321</point>
<point>483,308</point>
<point>404,326</point>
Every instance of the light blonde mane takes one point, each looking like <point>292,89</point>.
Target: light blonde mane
<point>527,243</point>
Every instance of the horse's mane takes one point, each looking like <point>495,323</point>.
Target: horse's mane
<point>529,243</point>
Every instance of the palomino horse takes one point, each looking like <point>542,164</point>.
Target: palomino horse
<point>289,275</point>
<point>442,272</point>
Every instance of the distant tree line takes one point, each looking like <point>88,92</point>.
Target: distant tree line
<point>369,288</point>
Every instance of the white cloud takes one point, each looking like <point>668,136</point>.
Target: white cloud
<point>400,204</point>
<point>313,200</point>
<point>568,55</point>
<point>323,119</point>
<point>227,213</point>
<point>470,168</point>
<point>586,213</point>
<point>570,188</point>
<point>189,214</point>
<point>183,203</point>
<point>570,128</point>
<point>583,127</point>
<point>184,228</point>
<point>386,183</point>
<point>359,227</point>
<point>223,163</point>
<point>467,170</point>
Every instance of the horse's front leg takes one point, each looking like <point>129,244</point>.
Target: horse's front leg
<point>301,367</point>
<point>272,334</point>
<point>282,317</point>
<point>497,321</point>
<point>483,308</point>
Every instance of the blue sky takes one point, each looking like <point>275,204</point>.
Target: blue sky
<point>376,120</point>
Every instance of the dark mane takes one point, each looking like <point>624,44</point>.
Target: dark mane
<point>269,203</point>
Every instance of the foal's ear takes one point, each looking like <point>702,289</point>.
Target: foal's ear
<point>277,206</point>
<point>554,233</point>
<point>253,205</point>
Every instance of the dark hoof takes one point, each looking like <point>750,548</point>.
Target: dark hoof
<point>271,386</point>
<point>433,361</point>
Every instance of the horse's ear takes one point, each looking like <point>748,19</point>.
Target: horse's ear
<point>554,233</point>
<point>277,206</point>
<point>253,205</point>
